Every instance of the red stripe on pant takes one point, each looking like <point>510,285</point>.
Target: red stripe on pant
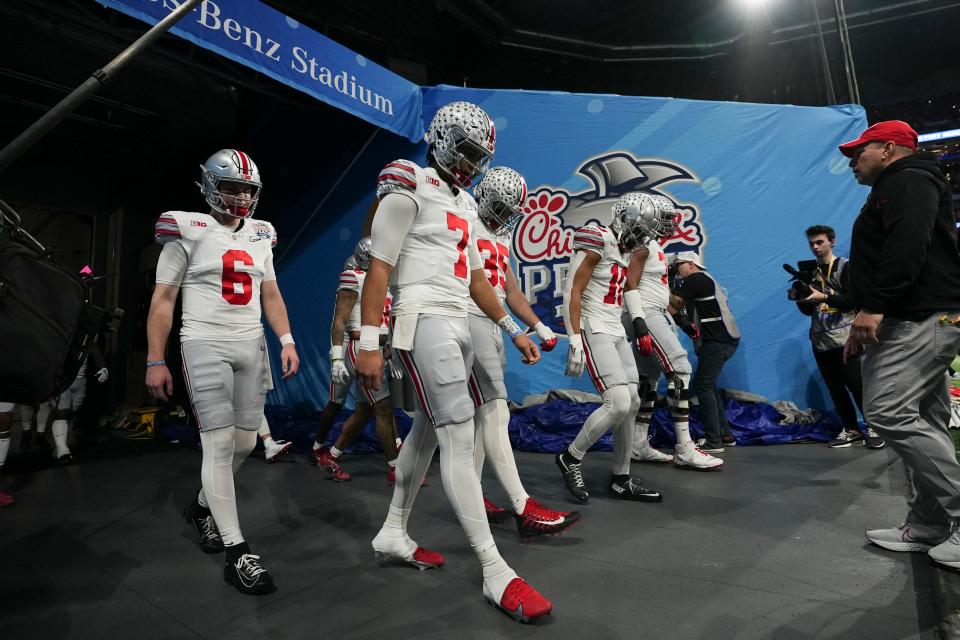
<point>475,393</point>
<point>591,368</point>
<point>352,354</point>
<point>186,378</point>
<point>411,368</point>
<point>661,355</point>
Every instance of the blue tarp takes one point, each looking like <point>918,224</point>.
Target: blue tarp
<point>258,36</point>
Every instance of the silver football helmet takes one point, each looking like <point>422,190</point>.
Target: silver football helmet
<point>350,264</point>
<point>361,253</point>
<point>223,178</point>
<point>667,213</point>
<point>500,195</point>
<point>635,220</point>
<point>462,140</point>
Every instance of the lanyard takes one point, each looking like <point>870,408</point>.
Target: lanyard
<point>824,308</point>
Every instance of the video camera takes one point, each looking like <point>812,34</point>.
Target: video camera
<point>803,277</point>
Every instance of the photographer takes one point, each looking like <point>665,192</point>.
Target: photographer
<point>710,324</point>
<point>825,298</point>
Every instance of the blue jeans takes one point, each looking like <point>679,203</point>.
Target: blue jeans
<point>712,357</point>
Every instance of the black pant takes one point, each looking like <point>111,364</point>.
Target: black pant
<point>710,361</point>
<point>840,379</point>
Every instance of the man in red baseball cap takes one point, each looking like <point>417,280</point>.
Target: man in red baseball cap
<point>905,283</point>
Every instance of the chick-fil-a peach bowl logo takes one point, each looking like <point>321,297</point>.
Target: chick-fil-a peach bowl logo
<point>543,240</point>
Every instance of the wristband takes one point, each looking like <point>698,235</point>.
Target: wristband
<point>336,352</point>
<point>286,339</point>
<point>634,303</point>
<point>156,363</point>
<point>537,327</point>
<point>510,326</point>
<point>369,338</point>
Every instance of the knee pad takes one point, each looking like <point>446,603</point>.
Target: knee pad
<point>617,400</point>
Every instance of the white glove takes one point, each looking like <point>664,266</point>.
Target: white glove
<point>575,357</point>
<point>102,375</point>
<point>338,372</point>
<point>394,370</point>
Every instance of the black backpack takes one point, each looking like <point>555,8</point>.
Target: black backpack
<point>47,323</point>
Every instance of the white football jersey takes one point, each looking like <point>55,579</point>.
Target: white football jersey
<point>432,273</point>
<point>352,280</point>
<point>225,268</point>
<point>495,257</point>
<point>654,288</point>
<point>602,299</point>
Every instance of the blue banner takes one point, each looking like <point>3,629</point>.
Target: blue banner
<point>260,37</point>
<point>748,179</point>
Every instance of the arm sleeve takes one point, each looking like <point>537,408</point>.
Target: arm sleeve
<point>172,265</point>
<point>391,224</point>
<point>908,217</point>
<point>268,271</point>
<point>473,256</point>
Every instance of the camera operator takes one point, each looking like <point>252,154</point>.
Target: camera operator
<point>710,324</point>
<point>831,310</point>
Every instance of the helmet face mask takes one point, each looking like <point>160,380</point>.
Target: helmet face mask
<point>230,183</point>
<point>500,195</point>
<point>462,140</point>
<point>361,253</point>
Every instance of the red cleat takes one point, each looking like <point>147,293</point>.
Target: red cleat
<point>427,559</point>
<point>322,458</point>
<point>495,514</point>
<point>520,601</point>
<point>6,500</point>
<point>538,520</point>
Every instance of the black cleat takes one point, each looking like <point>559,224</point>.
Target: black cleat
<point>208,536</point>
<point>248,576</point>
<point>573,477</point>
<point>631,489</point>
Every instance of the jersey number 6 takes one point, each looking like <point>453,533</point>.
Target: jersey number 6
<point>232,277</point>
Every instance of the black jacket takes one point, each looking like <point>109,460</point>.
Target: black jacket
<point>904,261</point>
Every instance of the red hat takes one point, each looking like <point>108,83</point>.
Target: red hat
<point>896,131</point>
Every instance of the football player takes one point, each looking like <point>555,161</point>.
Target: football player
<point>6,420</point>
<point>499,197</point>
<point>656,347</point>
<point>593,299</point>
<point>344,333</point>
<point>223,262</point>
<point>424,245</point>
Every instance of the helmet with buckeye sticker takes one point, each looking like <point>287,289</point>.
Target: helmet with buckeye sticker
<point>230,183</point>
<point>361,253</point>
<point>635,220</point>
<point>462,140</point>
<point>500,195</point>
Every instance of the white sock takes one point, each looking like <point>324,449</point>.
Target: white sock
<point>4,449</point>
<point>497,574</point>
<point>316,445</point>
<point>399,443</point>
<point>264,430</point>
<point>223,449</point>
<point>493,418</point>
<point>392,463</point>
<point>411,467</point>
<point>243,445</point>
<point>60,428</point>
<point>336,453</point>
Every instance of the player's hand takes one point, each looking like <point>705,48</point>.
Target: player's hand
<point>289,361</point>
<point>370,368</point>
<point>159,382</point>
<point>575,357</point>
<point>102,375</point>
<point>531,355</point>
<point>338,372</point>
<point>548,339</point>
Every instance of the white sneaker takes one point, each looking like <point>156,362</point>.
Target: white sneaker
<point>947,552</point>
<point>690,457</point>
<point>276,448</point>
<point>909,537</point>
<point>647,453</point>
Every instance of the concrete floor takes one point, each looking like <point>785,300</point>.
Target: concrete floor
<point>770,548</point>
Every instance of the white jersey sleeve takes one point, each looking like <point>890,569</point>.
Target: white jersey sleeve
<point>352,281</point>
<point>432,269</point>
<point>654,288</point>
<point>494,255</point>
<point>602,298</point>
<point>172,264</point>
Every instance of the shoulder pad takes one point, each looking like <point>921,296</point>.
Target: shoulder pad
<point>399,175</point>
<point>589,238</point>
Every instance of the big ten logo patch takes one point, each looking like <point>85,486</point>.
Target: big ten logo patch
<point>543,241</point>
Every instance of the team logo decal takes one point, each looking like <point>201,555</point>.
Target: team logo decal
<point>543,241</point>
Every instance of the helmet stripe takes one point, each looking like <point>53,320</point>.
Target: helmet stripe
<point>244,163</point>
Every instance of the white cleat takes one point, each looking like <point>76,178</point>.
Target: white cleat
<point>276,448</point>
<point>688,456</point>
<point>647,453</point>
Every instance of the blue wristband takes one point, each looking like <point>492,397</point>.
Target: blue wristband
<point>155,363</point>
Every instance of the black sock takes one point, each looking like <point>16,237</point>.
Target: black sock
<point>199,509</point>
<point>622,479</point>
<point>235,551</point>
<point>569,458</point>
